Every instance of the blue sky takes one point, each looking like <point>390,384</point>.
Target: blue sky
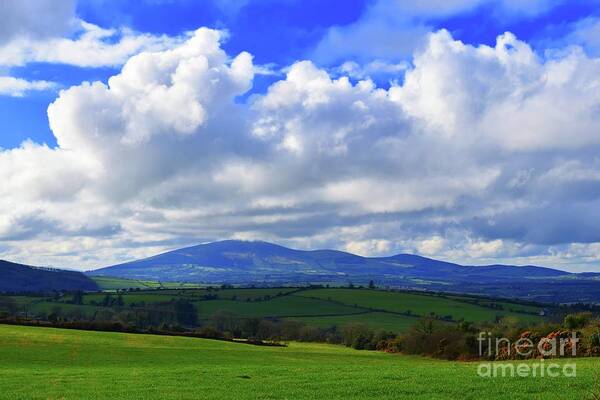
<point>366,125</point>
<point>275,32</point>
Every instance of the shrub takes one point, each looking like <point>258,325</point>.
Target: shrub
<point>577,321</point>
<point>209,332</point>
<point>433,338</point>
<point>362,341</point>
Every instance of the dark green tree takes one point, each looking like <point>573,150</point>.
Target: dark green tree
<point>78,297</point>
<point>186,312</point>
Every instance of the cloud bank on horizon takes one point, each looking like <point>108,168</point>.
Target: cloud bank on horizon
<point>390,134</point>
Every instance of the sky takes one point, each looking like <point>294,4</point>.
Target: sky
<point>463,130</point>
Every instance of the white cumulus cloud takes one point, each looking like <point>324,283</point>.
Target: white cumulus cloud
<point>89,46</point>
<point>16,87</point>
<point>485,152</point>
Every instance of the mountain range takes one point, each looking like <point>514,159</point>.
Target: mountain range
<point>262,263</point>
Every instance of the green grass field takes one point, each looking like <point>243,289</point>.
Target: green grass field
<point>130,298</point>
<point>109,283</point>
<point>417,304</point>
<point>277,307</point>
<point>227,294</point>
<point>374,320</point>
<point>324,307</point>
<point>46,363</point>
<point>35,305</point>
<point>505,304</point>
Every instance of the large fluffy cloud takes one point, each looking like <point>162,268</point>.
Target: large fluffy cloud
<point>482,153</point>
<point>162,117</point>
<point>505,94</point>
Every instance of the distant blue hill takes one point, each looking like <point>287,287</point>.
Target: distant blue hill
<point>25,278</point>
<point>256,262</point>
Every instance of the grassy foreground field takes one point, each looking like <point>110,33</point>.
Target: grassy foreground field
<point>46,363</point>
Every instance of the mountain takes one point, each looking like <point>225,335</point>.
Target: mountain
<point>25,278</point>
<point>255,262</point>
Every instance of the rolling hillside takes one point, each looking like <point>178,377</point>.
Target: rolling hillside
<point>46,363</point>
<point>242,262</point>
<point>323,307</point>
<point>25,278</point>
